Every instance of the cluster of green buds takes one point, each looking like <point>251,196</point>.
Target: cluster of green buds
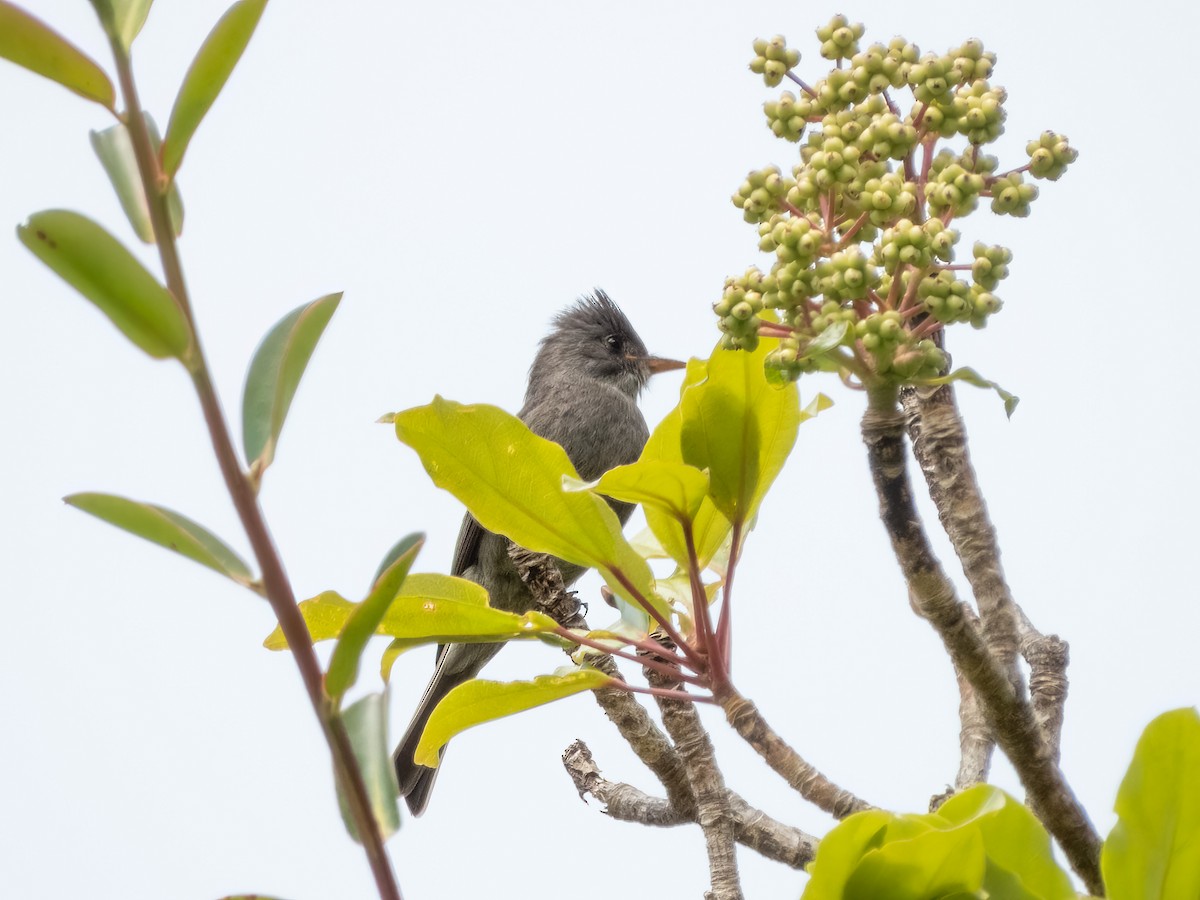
<point>864,230</point>
<point>773,59</point>
<point>738,308</point>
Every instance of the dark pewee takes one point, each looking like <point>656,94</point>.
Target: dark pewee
<point>582,394</point>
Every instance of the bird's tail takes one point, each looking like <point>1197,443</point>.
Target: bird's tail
<point>458,663</point>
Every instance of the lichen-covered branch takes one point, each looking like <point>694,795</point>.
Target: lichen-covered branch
<point>713,812</point>
<point>1009,715</point>
<point>974,740</point>
<point>939,443</point>
<point>632,720</point>
<point>1048,656</point>
<point>801,775</point>
<point>752,827</point>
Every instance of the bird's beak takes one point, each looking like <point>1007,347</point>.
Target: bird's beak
<point>658,364</point>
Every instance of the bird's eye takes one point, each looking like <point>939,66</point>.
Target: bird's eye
<point>613,343</point>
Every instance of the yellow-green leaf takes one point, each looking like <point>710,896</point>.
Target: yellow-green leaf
<point>167,529</point>
<point>209,71</point>
<point>352,640</point>
<point>366,726</point>
<point>114,148</point>
<point>128,18</point>
<point>709,527</point>
<point>36,46</point>
<point>674,487</point>
<point>274,375</point>
<point>1153,852</point>
<point>941,864</point>
<point>512,482</point>
<point>740,428</point>
<point>95,263</point>
<point>476,702</point>
<point>1019,852</point>
<point>327,613</point>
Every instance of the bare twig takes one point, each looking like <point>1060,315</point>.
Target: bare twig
<point>801,775</point>
<point>1009,716</point>
<point>753,828</point>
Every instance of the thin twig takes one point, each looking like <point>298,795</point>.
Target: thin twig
<point>752,828</point>
<point>801,775</point>
<point>275,582</point>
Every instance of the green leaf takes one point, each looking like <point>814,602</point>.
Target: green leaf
<point>397,550</point>
<point>970,376</point>
<point>366,725</point>
<point>935,864</point>
<point>840,851</point>
<point>343,664</point>
<point>476,702</point>
<point>275,373</point>
<point>209,71</point>
<point>828,339</point>
<point>327,613</point>
<point>1019,853</point>
<point>93,262</point>
<point>1153,852</point>
<point>740,428</point>
<point>674,487</point>
<point>981,843</point>
<point>709,527</point>
<point>34,45</point>
<point>128,18</point>
<point>512,482</point>
<point>167,529</point>
<point>114,147</point>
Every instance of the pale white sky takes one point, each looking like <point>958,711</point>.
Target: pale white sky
<point>462,171</point>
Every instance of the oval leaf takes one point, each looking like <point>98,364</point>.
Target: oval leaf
<point>209,71</point>
<point>939,864</point>
<point>95,263</point>
<point>674,487</point>
<point>512,482</point>
<point>1019,853</point>
<point>274,375</point>
<point>36,46</point>
<point>740,428</point>
<point>476,702</point>
<point>343,664</point>
<point>128,18</point>
<point>1153,852</point>
<point>114,148</point>
<point>327,613</point>
<point>709,527</point>
<point>167,529</point>
<point>366,725</point>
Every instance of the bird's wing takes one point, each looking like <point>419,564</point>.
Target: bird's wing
<point>466,550</point>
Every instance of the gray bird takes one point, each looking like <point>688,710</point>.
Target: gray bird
<point>582,394</point>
